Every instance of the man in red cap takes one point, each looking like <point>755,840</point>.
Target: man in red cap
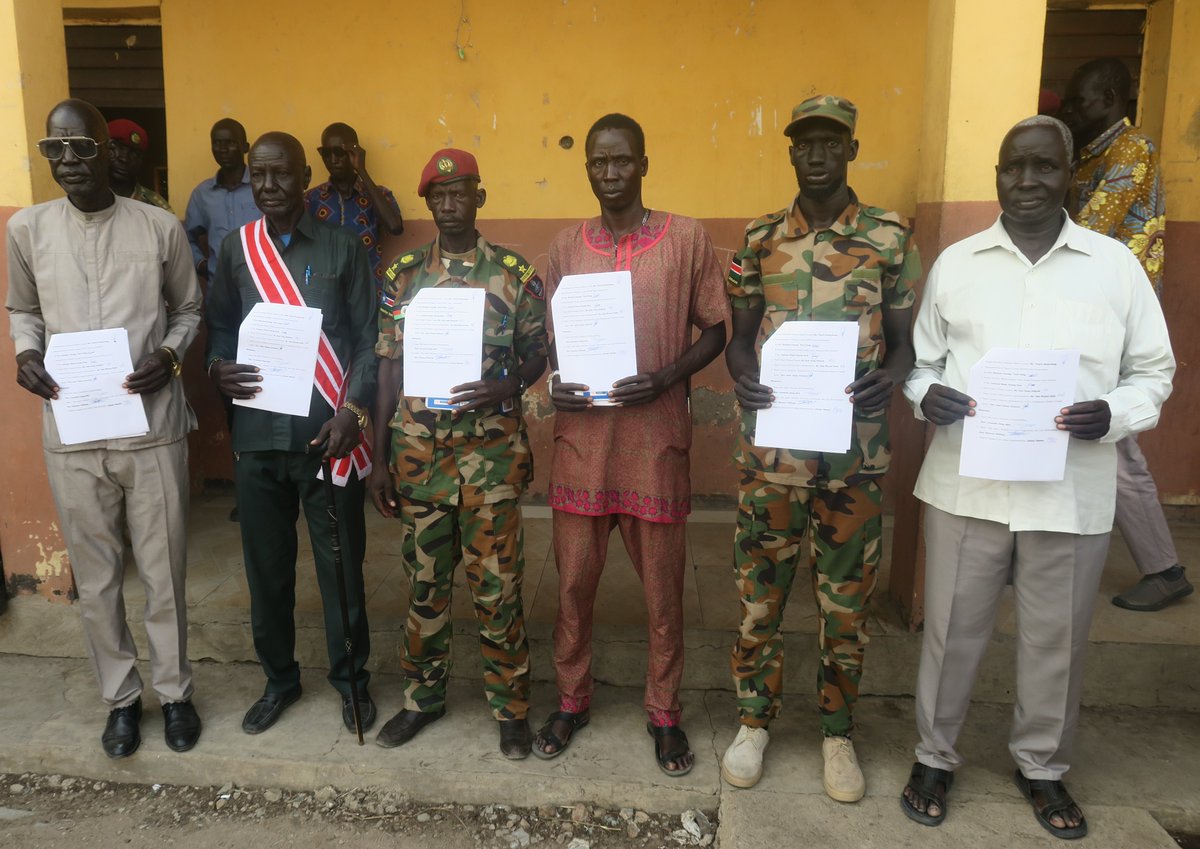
<point>127,142</point>
<point>453,472</point>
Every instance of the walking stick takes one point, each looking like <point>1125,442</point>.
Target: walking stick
<point>335,538</point>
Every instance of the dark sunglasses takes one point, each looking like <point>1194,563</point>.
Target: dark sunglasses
<point>83,147</point>
<point>327,152</point>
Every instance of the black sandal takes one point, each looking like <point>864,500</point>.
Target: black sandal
<point>1057,802</point>
<point>924,781</point>
<point>574,720</point>
<point>662,733</point>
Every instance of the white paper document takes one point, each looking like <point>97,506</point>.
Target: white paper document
<point>443,342</point>
<point>281,340</point>
<point>89,368</point>
<point>808,365</point>
<point>593,331</point>
<point>1012,436</point>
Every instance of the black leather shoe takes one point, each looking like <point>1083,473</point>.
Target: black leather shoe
<point>122,736</point>
<point>404,726</point>
<point>181,725</point>
<point>366,709</point>
<point>263,713</point>
<point>516,740</point>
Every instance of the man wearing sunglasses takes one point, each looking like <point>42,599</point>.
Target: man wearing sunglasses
<point>127,144</point>
<point>351,199</point>
<point>93,261</point>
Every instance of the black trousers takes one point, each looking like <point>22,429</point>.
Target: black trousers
<point>271,488</point>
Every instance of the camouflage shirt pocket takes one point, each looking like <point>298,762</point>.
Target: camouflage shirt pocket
<point>863,303</point>
<point>412,452</point>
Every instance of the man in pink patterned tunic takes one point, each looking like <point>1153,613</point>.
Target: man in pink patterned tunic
<point>626,466</point>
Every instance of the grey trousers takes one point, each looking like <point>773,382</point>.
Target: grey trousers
<point>1055,580</point>
<point>99,493</point>
<point>1139,512</point>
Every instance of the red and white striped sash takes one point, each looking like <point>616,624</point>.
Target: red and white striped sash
<point>276,286</point>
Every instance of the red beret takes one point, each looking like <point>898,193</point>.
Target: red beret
<point>128,133</point>
<point>446,166</point>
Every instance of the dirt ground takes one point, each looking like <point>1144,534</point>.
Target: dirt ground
<point>61,812</point>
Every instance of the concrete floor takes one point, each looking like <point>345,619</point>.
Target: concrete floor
<point>216,580</point>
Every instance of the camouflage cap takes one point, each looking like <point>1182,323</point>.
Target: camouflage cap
<point>829,106</point>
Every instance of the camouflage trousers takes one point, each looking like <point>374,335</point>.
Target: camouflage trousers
<point>839,533</point>
<point>487,539</point>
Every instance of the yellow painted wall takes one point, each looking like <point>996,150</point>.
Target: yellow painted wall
<point>1156,60</point>
<point>1181,122</point>
<point>33,77</point>
<point>712,82</point>
<point>978,84</point>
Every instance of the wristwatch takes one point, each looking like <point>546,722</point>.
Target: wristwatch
<point>550,378</point>
<point>176,365</point>
<point>358,411</point>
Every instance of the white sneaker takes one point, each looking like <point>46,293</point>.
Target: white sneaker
<point>844,781</point>
<point>742,764</point>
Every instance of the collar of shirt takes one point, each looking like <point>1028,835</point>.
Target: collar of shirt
<point>215,183</point>
<point>1071,236</point>
<point>327,189</point>
<point>99,215</point>
<point>1103,142</point>
<point>434,264</point>
<point>306,227</point>
<point>844,224</point>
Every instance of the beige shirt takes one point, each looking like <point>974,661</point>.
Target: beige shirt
<point>126,266</point>
<point>1089,293</point>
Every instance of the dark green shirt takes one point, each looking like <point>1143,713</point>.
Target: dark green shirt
<point>332,271</point>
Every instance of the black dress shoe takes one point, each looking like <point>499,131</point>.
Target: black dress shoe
<point>366,709</point>
<point>122,736</point>
<point>516,740</point>
<point>181,725</point>
<point>263,713</point>
<point>404,726</point>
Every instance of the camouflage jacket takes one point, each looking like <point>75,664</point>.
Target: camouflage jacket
<point>864,262</point>
<point>482,456</point>
<point>144,195</point>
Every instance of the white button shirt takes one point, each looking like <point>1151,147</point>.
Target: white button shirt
<point>1089,293</point>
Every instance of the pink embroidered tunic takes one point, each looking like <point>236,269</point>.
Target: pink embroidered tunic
<point>634,460</point>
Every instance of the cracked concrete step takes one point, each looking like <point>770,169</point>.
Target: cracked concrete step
<point>1132,767</point>
<point>764,819</point>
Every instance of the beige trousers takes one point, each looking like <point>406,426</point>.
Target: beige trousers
<point>99,493</point>
<point>1055,580</point>
<point>1139,512</point>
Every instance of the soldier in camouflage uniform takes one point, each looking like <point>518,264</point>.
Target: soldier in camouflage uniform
<point>824,258</point>
<point>454,476</point>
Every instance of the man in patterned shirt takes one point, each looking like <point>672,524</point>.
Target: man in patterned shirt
<point>1118,192</point>
<point>350,198</point>
<point>826,257</point>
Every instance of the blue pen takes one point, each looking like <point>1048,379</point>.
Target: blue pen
<point>307,274</point>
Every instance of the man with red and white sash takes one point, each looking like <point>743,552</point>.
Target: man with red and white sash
<point>289,257</point>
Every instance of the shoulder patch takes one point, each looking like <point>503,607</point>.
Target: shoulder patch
<point>515,264</point>
<point>880,214</point>
<point>766,222</point>
<point>405,260</point>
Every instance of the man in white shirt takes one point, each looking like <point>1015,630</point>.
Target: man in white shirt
<point>1033,280</point>
<point>94,261</point>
